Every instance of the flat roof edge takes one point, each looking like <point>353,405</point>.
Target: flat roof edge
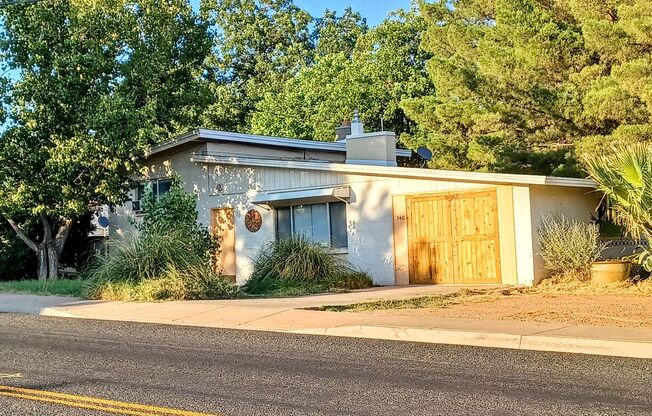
<point>170,144</point>
<point>418,173</point>
<point>254,139</point>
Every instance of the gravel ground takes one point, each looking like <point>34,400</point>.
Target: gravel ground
<point>627,311</point>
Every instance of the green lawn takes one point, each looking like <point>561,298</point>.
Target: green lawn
<point>61,287</point>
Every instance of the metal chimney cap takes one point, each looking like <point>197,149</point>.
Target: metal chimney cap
<point>356,116</point>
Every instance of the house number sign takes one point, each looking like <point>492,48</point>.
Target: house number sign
<point>253,220</point>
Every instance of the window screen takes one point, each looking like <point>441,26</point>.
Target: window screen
<point>164,186</point>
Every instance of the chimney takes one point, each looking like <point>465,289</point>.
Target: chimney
<point>357,127</point>
<point>377,148</point>
<point>342,131</point>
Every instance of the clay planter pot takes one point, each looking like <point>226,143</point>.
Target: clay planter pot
<point>610,271</point>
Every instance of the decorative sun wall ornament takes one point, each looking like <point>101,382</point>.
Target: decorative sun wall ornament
<point>253,220</point>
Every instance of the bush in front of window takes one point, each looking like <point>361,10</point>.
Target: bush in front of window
<point>297,264</point>
<point>161,264</point>
<point>176,209</point>
<point>169,258</point>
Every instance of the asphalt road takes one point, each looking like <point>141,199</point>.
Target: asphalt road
<point>230,372</point>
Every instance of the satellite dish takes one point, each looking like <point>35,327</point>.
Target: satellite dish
<point>103,221</point>
<point>424,153</point>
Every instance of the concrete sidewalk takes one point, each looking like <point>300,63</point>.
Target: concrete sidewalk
<point>291,315</point>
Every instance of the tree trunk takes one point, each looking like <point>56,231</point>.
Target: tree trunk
<point>56,248</point>
<point>42,256</point>
<point>46,244</point>
<point>48,251</point>
<point>53,261</point>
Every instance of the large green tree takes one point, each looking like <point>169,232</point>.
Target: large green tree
<point>338,34</point>
<point>258,44</point>
<point>166,46</point>
<point>384,67</point>
<point>97,81</point>
<point>521,84</point>
<point>68,143</point>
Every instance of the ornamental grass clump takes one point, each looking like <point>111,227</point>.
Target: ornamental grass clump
<point>151,266</point>
<point>568,246</point>
<point>297,265</point>
<point>168,258</point>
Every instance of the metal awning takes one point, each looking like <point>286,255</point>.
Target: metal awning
<point>284,198</point>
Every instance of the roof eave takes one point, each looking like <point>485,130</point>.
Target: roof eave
<point>432,174</point>
<point>191,136</point>
<point>217,135</point>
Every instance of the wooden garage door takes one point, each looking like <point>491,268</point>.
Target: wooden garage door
<point>453,238</point>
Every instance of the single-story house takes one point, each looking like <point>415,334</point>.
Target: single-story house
<point>403,225</point>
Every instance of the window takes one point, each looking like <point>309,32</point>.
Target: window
<point>324,223</point>
<point>159,187</point>
<point>163,186</point>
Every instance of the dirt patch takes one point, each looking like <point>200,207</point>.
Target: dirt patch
<point>628,311</point>
<point>562,299</point>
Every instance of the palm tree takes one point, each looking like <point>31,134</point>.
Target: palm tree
<point>625,177</point>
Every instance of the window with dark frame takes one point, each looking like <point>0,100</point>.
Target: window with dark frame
<point>159,188</point>
<point>324,223</point>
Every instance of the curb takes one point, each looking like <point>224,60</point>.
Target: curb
<point>563,344</point>
<point>615,348</point>
<point>57,313</point>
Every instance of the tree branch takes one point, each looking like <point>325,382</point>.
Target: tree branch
<point>47,229</point>
<point>62,236</point>
<point>20,233</point>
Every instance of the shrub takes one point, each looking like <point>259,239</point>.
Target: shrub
<point>298,262</point>
<point>568,246</point>
<point>624,175</point>
<point>157,265</point>
<point>143,256</point>
<point>168,258</point>
<point>176,210</point>
<point>353,280</point>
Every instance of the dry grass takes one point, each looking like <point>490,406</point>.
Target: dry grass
<point>572,285</point>
<point>562,299</point>
<point>434,301</point>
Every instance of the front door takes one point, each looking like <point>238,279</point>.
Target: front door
<point>223,228</point>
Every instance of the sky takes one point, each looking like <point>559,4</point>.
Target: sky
<point>373,10</point>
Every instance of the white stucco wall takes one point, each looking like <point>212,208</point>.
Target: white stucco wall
<point>370,219</point>
<point>574,203</point>
<point>165,166</point>
<point>523,235</point>
<point>240,150</point>
<point>369,213</point>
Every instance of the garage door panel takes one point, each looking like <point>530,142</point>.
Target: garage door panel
<point>454,238</point>
<point>440,267</point>
<point>422,273</point>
